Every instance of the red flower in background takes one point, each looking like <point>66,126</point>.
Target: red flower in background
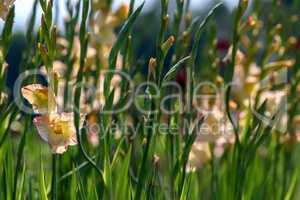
<point>223,45</point>
<point>181,78</point>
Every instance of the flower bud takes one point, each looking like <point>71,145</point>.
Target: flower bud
<point>3,97</point>
<point>168,44</point>
<point>188,18</point>
<point>122,12</point>
<point>144,141</point>
<point>244,5</point>
<point>152,65</point>
<point>16,127</point>
<point>156,160</point>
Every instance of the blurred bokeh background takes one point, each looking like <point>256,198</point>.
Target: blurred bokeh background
<point>23,8</point>
<point>143,39</point>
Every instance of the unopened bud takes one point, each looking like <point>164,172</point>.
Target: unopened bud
<point>3,97</point>
<point>122,12</point>
<point>156,160</point>
<point>16,127</point>
<point>144,142</point>
<point>188,17</point>
<point>44,55</point>
<point>42,48</point>
<point>166,18</point>
<point>244,5</point>
<point>4,69</point>
<point>165,22</point>
<point>167,44</point>
<point>152,65</point>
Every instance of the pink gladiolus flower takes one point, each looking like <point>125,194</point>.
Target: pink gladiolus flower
<point>58,130</point>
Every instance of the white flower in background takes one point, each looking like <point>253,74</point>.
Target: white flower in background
<point>199,155</point>
<point>104,24</point>
<point>215,129</point>
<point>5,5</point>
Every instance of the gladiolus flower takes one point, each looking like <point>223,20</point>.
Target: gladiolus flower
<point>42,100</point>
<point>58,130</point>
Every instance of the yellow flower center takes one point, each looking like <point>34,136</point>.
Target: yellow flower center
<point>58,129</point>
<point>42,96</point>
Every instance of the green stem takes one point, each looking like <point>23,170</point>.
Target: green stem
<point>229,72</point>
<point>83,44</point>
<point>142,172</point>
<point>54,175</point>
<point>20,156</point>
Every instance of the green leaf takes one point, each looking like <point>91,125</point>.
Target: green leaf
<point>292,188</point>
<point>73,186</point>
<point>235,40</point>
<point>4,124</point>
<point>75,169</point>
<point>8,170</point>
<point>185,191</point>
<point>110,100</point>
<point>123,35</point>
<point>21,148</point>
<point>182,162</point>
<point>117,153</point>
<point>49,13</point>
<point>21,190</point>
<point>200,29</point>
<point>107,171</point>
<point>42,185</point>
<point>173,70</point>
<point>123,182</point>
<point>7,31</point>
<point>80,186</point>
<point>43,5</point>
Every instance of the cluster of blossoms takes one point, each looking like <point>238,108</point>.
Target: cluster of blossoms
<point>57,127</point>
<point>252,86</point>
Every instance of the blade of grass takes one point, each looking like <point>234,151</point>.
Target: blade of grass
<point>174,69</point>
<point>22,183</point>
<point>292,188</point>
<point>42,185</point>
<point>123,35</point>
<point>19,158</point>
<point>54,177</point>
